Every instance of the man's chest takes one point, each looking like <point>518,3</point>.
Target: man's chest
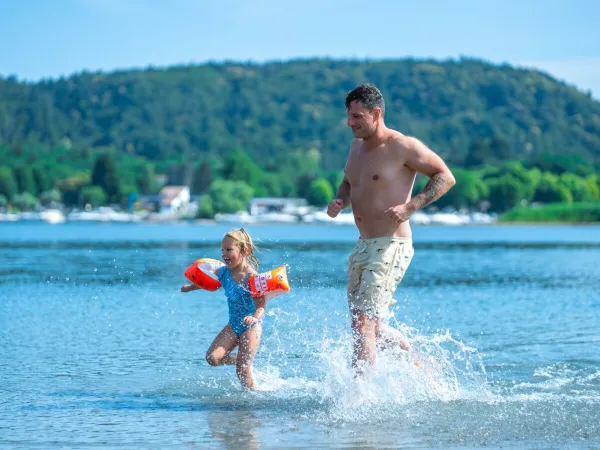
<point>371,171</point>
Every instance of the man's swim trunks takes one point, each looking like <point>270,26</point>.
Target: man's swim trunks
<point>375,268</point>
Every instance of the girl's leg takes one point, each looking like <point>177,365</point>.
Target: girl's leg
<point>249,342</point>
<point>219,352</point>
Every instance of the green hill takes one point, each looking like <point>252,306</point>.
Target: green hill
<point>273,108</point>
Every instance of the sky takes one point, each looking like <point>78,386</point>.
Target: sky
<point>52,38</point>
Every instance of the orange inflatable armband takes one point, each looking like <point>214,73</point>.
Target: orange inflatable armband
<point>270,284</point>
<point>201,273</point>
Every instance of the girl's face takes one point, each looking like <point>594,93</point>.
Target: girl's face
<point>230,253</point>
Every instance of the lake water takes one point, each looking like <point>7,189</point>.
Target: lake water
<point>98,348</point>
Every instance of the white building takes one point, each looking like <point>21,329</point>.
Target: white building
<point>174,199</point>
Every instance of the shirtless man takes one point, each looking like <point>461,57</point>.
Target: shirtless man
<point>378,181</point>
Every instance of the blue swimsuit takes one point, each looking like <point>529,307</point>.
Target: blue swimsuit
<point>238,299</point>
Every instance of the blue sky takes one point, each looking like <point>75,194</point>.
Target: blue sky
<point>50,38</point>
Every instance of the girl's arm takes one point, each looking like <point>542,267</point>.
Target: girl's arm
<point>189,287</point>
<point>261,306</point>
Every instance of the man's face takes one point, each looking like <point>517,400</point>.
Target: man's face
<point>361,120</point>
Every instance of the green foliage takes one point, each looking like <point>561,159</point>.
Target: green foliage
<point>320,192</point>
<point>239,166</point>
<point>202,177</point>
<point>468,191</point>
<point>92,195</point>
<point>47,197</point>
<point>269,186</point>
<point>42,179</point>
<point>25,180</point>
<point>104,175</point>
<point>550,190</point>
<point>3,201</point>
<point>71,188</point>
<point>505,192</point>
<point>229,196</point>
<point>557,212</point>
<point>581,189</point>
<point>8,185</point>
<point>206,209</point>
<point>144,182</point>
<point>25,201</point>
<point>276,108</point>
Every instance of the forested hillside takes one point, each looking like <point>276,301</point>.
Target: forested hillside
<point>269,109</point>
<point>237,131</point>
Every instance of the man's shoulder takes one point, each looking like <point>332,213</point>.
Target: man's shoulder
<point>399,139</point>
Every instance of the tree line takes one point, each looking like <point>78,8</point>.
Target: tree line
<point>97,177</point>
<point>187,113</point>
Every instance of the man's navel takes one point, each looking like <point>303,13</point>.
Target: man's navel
<point>376,177</point>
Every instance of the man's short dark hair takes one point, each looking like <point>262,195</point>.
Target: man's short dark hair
<point>368,96</point>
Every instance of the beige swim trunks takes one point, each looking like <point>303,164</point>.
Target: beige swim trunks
<point>375,268</point>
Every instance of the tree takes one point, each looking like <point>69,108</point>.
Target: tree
<point>8,185</point>
<point>580,188</point>
<point>320,192</point>
<point>202,177</point>
<point>270,185</point>
<point>104,175</point>
<point>230,196</point>
<point>25,201</point>
<point>550,190</point>
<point>92,195</point>
<point>50,196</point>
<point>42,179</point>
<point>24,178</point>
<point>205,208</point>
<point>303,184</point>
<point>145,180</point>
<point>468,191</point>
<point>240,167</point>
<point>505,192</point>
<point>477,154</point>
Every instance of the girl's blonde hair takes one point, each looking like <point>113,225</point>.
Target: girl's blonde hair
<point>243,240</point>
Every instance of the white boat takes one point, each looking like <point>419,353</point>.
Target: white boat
<point>419,218</point>
<point>8,217</point>
<point>238,217</point>
<point>52,216</point>
<point>449,219</point>
<point>323,217</point>
<point>276,217</point>
<point>102,214</point>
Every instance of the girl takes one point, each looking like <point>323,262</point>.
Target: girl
<point>245,313</point>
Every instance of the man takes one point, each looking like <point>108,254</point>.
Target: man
<point>378,180</point>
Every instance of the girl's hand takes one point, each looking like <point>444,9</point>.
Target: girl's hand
<point>187,288</point>
<point>250,320</point>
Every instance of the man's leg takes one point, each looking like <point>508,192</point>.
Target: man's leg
<point>364,339</point>
<point>388,337</point>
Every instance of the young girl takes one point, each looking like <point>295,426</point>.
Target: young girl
<point>245,313</point>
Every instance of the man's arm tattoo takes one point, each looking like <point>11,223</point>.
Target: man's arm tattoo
<point>437,186</point>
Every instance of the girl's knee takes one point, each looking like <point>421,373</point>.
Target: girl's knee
<point>212,359</point>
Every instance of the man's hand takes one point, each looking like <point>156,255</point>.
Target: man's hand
<point>400,213</point>
<point>250,320</point>
<point>187,288</point>
<point>334,208</point>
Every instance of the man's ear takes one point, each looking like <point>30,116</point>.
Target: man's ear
<point>377,113</point>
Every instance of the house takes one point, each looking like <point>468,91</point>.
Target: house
<point>174,199</point>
